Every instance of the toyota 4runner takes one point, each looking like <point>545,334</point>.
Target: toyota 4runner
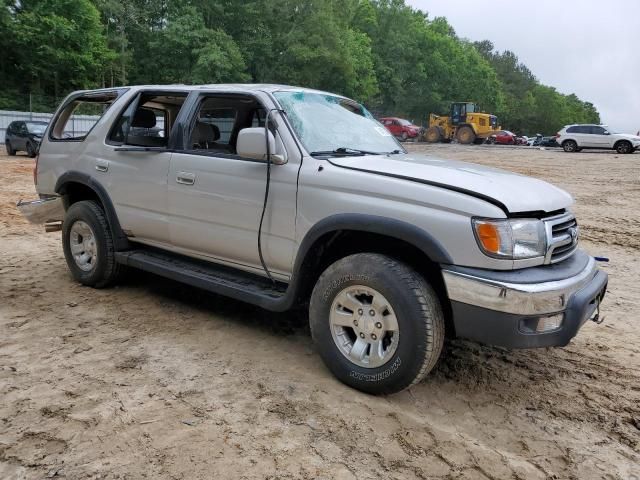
<point>287,197</point>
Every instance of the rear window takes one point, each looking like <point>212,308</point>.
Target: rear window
<point>78,117</point>
<point>37,128</point>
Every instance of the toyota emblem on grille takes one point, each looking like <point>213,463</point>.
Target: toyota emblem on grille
<point>573,231</point>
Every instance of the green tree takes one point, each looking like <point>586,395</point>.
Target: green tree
<point>53,46</point>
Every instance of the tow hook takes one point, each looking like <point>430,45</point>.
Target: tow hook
<point>597,318</point>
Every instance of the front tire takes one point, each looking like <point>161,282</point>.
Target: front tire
<point>624,147</point>
<point>466,135</point>
<point>378,325</point>
<point>88,245</point>
<point>31,150</point>
<point>433,135</point>
<point>570,146</point>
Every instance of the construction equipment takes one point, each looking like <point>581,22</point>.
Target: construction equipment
<point>465,123</point>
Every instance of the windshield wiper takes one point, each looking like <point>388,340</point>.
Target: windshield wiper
<point>345,152</point>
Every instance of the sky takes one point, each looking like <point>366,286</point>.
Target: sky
<point>587,47</point>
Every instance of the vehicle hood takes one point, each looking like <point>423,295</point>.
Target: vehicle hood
<point>512,192</point>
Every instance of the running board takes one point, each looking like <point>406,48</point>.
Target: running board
<point>208,276</point>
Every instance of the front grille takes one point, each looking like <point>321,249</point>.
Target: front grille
<point>562,237</point>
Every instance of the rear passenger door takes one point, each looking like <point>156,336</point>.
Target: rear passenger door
<point>584,137</point>
<point>216,197</point>
<point>136,166</point>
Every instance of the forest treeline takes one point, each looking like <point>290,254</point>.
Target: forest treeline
<point>394,58</point>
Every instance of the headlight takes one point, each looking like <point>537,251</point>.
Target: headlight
<point>511,238</point>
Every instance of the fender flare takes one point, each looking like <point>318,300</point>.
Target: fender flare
<point>120,240</point>
<point>389,227</point>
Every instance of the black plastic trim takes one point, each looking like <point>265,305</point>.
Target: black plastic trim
<point>389,227</point>
<point>452,188</point>
<point>212,277</point>
<point>120,240</point>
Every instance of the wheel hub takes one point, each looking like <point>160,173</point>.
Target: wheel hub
<point>364,326</point>
<point>82,242</point>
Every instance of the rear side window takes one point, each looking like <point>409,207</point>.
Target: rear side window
<point>573,130</point>
<point>147,121</point>
<point>78,117</point>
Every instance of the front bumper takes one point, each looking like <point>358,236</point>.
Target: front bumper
<point>508,308</point>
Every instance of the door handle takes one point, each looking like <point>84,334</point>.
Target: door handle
<point>102,165</point>
<point>185,178</point>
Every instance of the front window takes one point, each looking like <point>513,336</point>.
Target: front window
<point>405,123</point>
<point>327,123</point>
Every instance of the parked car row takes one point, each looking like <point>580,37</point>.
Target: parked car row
<point>572,138</point>
<point>24,136</point>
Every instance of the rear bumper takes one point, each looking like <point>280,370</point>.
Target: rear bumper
<point>45,210</point>
<point>534,307</point>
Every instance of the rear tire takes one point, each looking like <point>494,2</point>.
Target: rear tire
<point>404,136</point>
<point>624,147</point>
<point>466,135</point>
<point>570,146</point>
<point>10,151</point>
<point>88,245</point>
<point>378,325</point>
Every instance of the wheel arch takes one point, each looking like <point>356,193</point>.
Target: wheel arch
<point>341,235</point>
<point>618,142</point>
<point>75,186</point>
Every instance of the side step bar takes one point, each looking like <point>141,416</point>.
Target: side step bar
<point>211,277</point>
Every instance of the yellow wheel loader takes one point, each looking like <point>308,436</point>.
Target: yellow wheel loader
<point>465,123</point>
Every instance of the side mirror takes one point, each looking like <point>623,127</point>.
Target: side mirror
<point>252,144</point>
<point>606,132</point>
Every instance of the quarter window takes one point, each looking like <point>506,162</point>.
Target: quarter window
<point>78,117</point>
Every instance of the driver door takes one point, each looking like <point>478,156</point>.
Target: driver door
<point>216,197</point>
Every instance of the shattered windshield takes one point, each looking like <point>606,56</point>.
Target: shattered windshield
<point>325,123</point>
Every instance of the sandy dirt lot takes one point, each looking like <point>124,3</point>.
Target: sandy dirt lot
<point>152,379</point>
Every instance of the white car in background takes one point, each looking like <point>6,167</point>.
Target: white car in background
<point>574,138</point>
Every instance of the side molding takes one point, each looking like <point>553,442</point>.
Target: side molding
<point>119,238</point>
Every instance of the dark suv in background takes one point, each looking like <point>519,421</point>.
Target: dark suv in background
<point>25,136</point>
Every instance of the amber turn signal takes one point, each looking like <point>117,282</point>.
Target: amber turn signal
<point>489,237</point>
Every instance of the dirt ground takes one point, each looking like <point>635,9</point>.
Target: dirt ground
<point>153,379</point>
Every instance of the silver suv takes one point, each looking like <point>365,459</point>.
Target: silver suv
<point>287,197</point>
<point>574,138</point>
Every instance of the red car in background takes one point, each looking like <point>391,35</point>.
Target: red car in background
<point>503,137</point>
<point>400,128</point>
